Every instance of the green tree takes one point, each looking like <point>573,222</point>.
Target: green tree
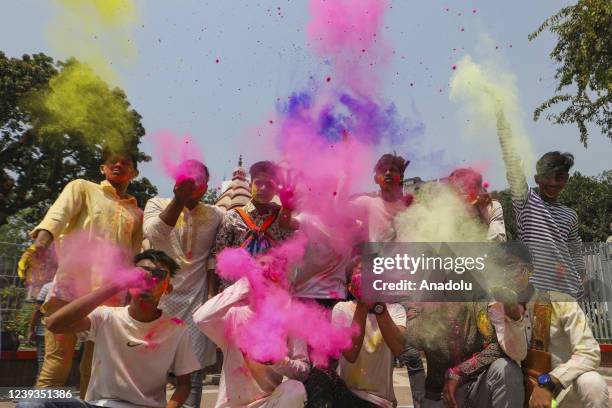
<point>35,167</point>
<point>589,196</point>
<point>584,57</point>
<point>505,199</point>
<point>211,196</point>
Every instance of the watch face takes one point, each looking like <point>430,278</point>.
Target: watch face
<point>379,308</point>
<point>543,379</point>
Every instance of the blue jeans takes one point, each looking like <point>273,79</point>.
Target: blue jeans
<point>195,394</point>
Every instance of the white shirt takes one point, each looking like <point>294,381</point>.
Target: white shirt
<point>493,215</point>
<point>370,377</point>
<point>131,359</point>
<point>322,273</point>
<point>189,243</point>
<point>378,216</point>
<point>245,383</point>
<point>573,348</point>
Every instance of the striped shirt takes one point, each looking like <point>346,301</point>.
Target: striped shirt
<point>549,229</point>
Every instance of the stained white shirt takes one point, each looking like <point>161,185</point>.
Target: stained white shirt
<point>189,243</point>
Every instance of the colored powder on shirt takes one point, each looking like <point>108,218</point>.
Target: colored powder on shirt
<point>276,316</point>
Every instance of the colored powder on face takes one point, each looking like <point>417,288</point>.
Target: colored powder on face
<point>79,101</point>
<point>175,154</point>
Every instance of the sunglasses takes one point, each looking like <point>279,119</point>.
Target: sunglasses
<point>158,273</point>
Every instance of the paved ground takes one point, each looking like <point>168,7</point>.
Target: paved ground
<point>400,382</point>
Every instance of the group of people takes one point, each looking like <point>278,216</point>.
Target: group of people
<point>165,320</point>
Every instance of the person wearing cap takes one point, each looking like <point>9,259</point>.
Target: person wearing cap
<point>185,228</point>
<point>94,209</point>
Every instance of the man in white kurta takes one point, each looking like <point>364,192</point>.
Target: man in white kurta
<point>185,228</point>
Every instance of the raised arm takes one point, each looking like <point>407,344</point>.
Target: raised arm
<point>514,166</point>
<point>72,318</point>
<point>393,328</point>
<point>358,319</point>
<point>155,229</point>
<point>575,249</point>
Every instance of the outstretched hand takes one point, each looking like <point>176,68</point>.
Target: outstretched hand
<point>286,190</point>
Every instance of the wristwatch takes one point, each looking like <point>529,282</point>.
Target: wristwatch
<point>545,381</point>
<point>451,374</point>
<point>378,308</point>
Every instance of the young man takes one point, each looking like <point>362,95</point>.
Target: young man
<point>367,367</point>
<point>377,213</point>
<point>255,226</point>
<point>185,228</point>
<point>468,183</point>
<point>136,345</point>
<point>575,357</point>
<point>467,364</point>
<point>548,228</point>
<point>103,209</point>
<point>245,382</point>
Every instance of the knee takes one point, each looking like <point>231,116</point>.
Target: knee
<point>504,371</point>
<point>294,388</point>
<point>592,389</point>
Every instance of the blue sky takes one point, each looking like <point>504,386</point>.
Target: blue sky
<point>176,84</point>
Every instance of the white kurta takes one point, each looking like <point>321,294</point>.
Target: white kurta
<point>189,243</point>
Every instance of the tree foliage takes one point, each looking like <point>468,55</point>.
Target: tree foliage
<point>584,56</point>
<point>35,167</point>
<point>589,196</point>
<point>211,196</point>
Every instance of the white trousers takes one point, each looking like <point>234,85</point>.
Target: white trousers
<point>289,394</point>
<point>588,390</point>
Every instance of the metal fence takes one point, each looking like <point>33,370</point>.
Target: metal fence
<point>12,292</point>
<point>598,304</point>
